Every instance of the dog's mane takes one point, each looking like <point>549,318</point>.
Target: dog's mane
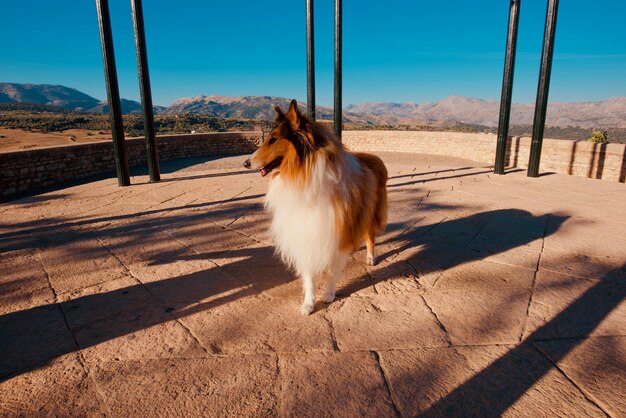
<point>312,140</point>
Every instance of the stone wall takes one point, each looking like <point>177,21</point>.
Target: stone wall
<point>28,170</point>
<point>579,158</point>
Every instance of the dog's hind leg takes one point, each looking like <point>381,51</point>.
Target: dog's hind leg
<point>308,286</point>
<point>336,270</point>
<point>369,243</point>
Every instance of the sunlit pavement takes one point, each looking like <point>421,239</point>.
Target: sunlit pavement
<point>494,295</point>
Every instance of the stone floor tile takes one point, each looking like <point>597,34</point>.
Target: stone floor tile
<point>214,386</point>
<point>79,263</point>
<point>483,275</point>
<point>33,336</point>
<point>431,259</point>
<point>569,307</point>
<point>209,238</point>
<point>583,265</point>
<point>117,211</point>
<point>495,241</point>
<point>401,321</point>
<point>255,223</point>
<point>60,387</point>
<point>202,286</point>
<point>591,236</point>
<point>596,365</point>
<point>23,282</point>
<point>519,257</point>
<point>399,284</point>
<point>490,316</point>
<point>84,306</point>
<point>243,323</point>
<point>333,384</point>
<point>420,378</point>
<point>513,382</point>
<point>140,333</point>
<point>142,241</point>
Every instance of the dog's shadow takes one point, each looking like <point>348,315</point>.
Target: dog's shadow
<point>436,247</point>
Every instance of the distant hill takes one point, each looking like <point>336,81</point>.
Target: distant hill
<point>47,94</point>
<point>252,107</point>
<point>610,113</point>
<point>62,97</point>
<point>131,107</point>
<point>606,114</point>
<point>247,107</point>
<point>242,107</point>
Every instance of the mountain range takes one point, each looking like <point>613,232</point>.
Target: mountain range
<point>62,97</point>
<point>609,113</point>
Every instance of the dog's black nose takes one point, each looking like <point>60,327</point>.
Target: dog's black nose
<point>247,163</point>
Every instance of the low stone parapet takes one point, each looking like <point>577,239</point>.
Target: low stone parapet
<point>29,170</point>
<point>579,158</point>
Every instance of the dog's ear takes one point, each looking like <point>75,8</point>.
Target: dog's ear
<point>293,115</point>
<point>280,116</point>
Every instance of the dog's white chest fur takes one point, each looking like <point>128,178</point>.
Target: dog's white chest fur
<point>303,224</point>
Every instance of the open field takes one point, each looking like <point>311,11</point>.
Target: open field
<point>26,129</point>
<point>18,139</point>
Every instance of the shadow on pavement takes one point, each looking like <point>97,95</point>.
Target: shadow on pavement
<point>497,387</point>
<point>31,337</point>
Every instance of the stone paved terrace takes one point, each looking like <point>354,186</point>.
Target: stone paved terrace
<point>495,295</point>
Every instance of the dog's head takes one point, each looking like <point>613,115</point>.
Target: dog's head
<point>289,143</point>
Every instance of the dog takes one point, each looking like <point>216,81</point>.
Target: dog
<point>324,200</point>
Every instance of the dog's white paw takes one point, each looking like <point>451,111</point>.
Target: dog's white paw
<point>307,308</point>
<point>328,297</point>
<point>371,260</point>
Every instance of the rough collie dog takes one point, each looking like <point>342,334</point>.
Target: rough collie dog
<point>325,201</point>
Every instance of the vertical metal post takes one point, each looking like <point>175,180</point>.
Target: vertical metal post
<point>310,61</point>
<point>146,93</point>
<point>543,87</point>
<point>507,87</point>
<point>338,42</point>
<point>113,94</point>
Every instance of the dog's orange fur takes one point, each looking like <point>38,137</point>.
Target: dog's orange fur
<point>324,199</point>
<point>363,210</point>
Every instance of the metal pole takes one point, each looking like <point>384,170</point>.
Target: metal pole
<point>113,94</point>
<point>507,87</point>
<point>310,61</point>
<point>541,104</point>
<point>338,42</point>
<point>146,92</point>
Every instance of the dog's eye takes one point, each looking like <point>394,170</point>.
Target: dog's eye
<point>272,140</point>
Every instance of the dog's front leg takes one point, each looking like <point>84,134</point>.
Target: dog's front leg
<point>309,294</point>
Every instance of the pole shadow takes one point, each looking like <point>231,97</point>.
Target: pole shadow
<point>496,388</point>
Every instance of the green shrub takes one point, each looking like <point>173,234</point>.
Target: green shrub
<point>599,136</point>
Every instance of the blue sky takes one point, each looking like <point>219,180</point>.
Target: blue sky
<point>399,51</point>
